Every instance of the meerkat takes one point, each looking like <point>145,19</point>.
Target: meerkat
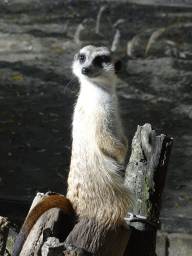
<point>96,187</point>
<point>95,184</point>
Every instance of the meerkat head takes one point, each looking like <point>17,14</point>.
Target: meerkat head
<point>96,64</point>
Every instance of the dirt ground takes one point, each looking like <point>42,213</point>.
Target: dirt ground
<point>38,91</point>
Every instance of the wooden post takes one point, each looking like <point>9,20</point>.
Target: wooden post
<point>4,230</point>
<point>145,176</point>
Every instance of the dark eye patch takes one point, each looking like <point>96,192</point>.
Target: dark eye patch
<point>81,57</point>
<point>101,59</point>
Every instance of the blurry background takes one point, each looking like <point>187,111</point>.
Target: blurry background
<point>38,40</point>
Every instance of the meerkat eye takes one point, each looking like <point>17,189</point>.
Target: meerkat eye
<point>106,58</point>
<point>82,57</point>
<point>100,59</point>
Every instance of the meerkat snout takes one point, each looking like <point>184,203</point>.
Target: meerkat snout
<point>85,71</point>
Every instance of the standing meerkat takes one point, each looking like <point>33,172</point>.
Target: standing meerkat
<point>95,183</point>
<point>96,187</point>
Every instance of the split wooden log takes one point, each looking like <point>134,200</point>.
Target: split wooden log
<point>50,224</point>
<point>145,176</point>
<point>4,231</point>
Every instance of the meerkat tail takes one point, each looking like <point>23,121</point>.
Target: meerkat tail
<point>52,201</point>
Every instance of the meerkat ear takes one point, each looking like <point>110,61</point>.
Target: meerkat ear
<point>118,66</point>
<point>76,56</point>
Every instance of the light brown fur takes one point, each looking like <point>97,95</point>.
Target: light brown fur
<point>95,183</point>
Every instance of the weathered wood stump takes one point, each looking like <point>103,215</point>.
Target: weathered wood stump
<point>4,231</point>
<point>145,176</point>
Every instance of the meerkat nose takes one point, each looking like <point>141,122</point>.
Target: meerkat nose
<point>85,71</point>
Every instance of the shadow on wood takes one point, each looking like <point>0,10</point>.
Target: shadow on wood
<point>96,239</point>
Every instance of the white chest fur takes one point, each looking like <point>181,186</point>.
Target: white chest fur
<point>94,106</point>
